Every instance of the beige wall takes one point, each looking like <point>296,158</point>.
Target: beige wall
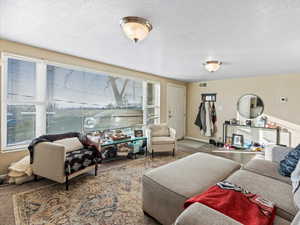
<point>29,51</point>
<point>269,88</point>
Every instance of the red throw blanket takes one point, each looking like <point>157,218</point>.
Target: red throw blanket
<point>237,203</point>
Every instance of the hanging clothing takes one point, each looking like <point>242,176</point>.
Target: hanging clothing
<point>201,117</point>
<point>213,114</point>
<point>209,125</point>
<point>206,119</point>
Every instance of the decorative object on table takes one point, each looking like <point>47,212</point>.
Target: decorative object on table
<point>119,135</point>
<point>228,140</point>
<point>233,121</point>
<point>262,122</point>
<point>237,140</point>
<point>248,122</point>
<point>272,125</point>
<point>138,133</point>
<point>161,138</point>
<point>250,106</point>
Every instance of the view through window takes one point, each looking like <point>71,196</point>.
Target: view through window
<point>47,99</point>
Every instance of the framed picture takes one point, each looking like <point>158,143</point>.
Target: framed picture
<point>237,140</point>
<point>138,133</point>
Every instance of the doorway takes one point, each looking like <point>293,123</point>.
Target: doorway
<point>176,108</point>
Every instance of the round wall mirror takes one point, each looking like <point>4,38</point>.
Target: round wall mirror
<point>250,106</point>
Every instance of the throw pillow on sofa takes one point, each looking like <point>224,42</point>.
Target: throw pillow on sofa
<point>70,144</point>
<point>289,163</point>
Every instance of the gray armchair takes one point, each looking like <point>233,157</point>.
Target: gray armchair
<point>161,138</point>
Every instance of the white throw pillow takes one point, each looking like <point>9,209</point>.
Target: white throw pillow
<point>70,144</point>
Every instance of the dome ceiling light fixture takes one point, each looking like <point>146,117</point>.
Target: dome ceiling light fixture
<point>212,65</point>
<point>135,28</point>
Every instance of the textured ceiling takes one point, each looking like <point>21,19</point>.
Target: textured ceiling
<point>251,37</point>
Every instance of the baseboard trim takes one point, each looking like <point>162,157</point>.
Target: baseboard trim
<point>196,139</point>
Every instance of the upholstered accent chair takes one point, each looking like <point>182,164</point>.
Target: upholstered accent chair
<point>62,157</point>
<point>161,138</point>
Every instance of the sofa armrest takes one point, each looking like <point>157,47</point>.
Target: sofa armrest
<point>49,161</point>
<point>172,133</point>
<point>276,153</point>
<point>199,214</point>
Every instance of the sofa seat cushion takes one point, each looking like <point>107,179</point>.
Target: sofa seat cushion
<point>199,214</point>
<point>296,220</point>
<point>280,221</point>
<point>278,192</point>
<point>162,140</point>
<point>166,188</point>
<point>266,168</point>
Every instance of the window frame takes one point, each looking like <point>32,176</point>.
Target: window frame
<point>4,102</point>
<point>41,101</point>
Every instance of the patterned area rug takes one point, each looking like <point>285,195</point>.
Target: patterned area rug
<point>111,198</point>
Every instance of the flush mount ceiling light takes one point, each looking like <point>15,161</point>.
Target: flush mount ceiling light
<point>135,28</point>
<point>212,65</point>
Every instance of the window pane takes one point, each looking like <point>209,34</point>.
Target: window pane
<point>21,77</point>
<point>94,89</point>
<point>152,115</point>
<point>64,117</point>
<point>20,124</point>
<point>104,101</point>
<point>100,119</point>
<point>150,94</point>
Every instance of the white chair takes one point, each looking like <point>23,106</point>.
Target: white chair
<point>161,138</point>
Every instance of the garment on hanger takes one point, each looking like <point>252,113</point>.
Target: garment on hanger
<point>201,117</point>
<point>213,114</point>
<point>209,124</point>
<point>206,118</point>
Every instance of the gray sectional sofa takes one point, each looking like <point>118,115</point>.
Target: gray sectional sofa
<point>165,189</point>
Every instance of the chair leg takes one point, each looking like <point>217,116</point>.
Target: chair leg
<point>67,183</point>
<point>173,151</point>
<point>152,153</point>
<point>96,169</point>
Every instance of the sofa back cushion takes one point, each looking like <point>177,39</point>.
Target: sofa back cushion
<point>159,130</point>
<point>295,177</point>
<point>70,144</point>
<point>289,163</point>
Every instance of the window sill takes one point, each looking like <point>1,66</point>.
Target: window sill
<point>14,149</point>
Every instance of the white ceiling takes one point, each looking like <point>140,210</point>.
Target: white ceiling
<point>251,37</point>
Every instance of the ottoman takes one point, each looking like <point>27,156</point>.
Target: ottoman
<point>166,188</point>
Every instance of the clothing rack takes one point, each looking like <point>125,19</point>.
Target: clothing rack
<point>209,97</point>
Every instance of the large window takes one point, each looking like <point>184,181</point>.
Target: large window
<point>45,98</point>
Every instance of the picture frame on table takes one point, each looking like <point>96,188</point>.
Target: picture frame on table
<point>237,140</point>
<point>138,133</point>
